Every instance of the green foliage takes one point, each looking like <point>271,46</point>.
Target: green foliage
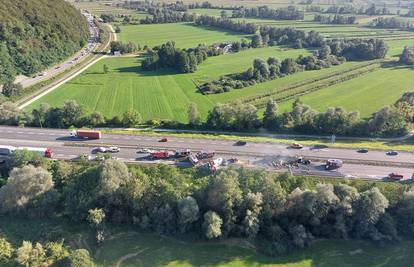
<point>212,225</point>
<point>6,251</point>
<point>81,258</point>
<point>37,34</point>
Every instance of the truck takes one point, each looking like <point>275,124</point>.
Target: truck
<point>332,164</point>
<point>182,152</point>
<point>8,150</point>
<point>160,155</point>
<point>87,134</point>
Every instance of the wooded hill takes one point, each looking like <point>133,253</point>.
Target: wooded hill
<point>37,33</point>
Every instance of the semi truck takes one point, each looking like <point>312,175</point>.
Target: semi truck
<point>87,134</point>
<point>8,150</point>
<point>332,164</point>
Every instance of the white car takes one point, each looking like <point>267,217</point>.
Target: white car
<point>113,149</point>
<point>145,150</point>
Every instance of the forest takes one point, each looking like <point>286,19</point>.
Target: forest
<point>36,34</point>
<point>276,212</point>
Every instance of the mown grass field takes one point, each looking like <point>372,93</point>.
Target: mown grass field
<point>162,94</point>
<point>185,35</point>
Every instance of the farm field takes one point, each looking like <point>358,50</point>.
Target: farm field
<point>184,34</point>
<point>162,94</point>
<point>371,91</point>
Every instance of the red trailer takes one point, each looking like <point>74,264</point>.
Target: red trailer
<point>160,155</point>
<point>89,134</point>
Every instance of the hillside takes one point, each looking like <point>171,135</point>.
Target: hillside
<point>35,34</point>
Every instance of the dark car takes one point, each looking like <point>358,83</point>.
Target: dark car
<point>395,176</point>
<point>392,153</point>
<point>241,143</point>
<point>163,140</point>
<point>362,150</point>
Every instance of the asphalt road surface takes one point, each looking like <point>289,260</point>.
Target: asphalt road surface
<point>55,70</point>
<point>253,154</point>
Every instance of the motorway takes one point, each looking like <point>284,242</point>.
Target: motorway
<point>260,155</point>
<point>57,69</point>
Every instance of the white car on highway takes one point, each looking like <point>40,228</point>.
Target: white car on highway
<point>113,149</point>
<point>144,150</point>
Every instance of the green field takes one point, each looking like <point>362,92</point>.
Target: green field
<point>129,248</point>
<point>185,35</point>
<point>371,91</point>
<point>161,94</point>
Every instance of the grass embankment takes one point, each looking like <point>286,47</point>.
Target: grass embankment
<point>134,249</point>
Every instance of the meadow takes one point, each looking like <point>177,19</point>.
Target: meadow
<point>185,35</point>
<point>125,247</point>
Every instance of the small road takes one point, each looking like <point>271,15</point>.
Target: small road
<point>259,155</point>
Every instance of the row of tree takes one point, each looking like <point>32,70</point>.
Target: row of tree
<point>186,60</point>
<point>388,121</point>
<point>37,254</point>
<point>270,70</point>
<point>407,56</point>
<point>225,23</point>
<point>392,23</point>
<point>372,10</point>
<point>335,19</point>
<point>165,15</point>
<point>265,12</point>
<point>124,48</point>
<point>281,211</point>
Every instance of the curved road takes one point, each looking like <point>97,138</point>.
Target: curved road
<point>252,155</point>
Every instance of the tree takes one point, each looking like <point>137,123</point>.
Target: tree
<point>6,251</point>
<point>71,112</point>
<point>223,14</point>
<point>10,89</point>
<point>253,203</point>
<point>81,258</point>
<point>194,117</point>
<point>212,225</point>
<point>407,56</point>
<point>257,41</point>
<point>31,256</point>
<point>7,69</point>
<point>96,118</point>
<point>188,212</point>
<point>40,114</point>
<point>105,69</point>
<point>112,174</point>
<point>10,114</point>
<point>24,185</point>
<point>24,157</point>
<point>270,117</point>
<point>131,118</point>
<point>96,217</point>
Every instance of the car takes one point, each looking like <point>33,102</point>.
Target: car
<point>362,150</point>
<point>163,140</point>
<point>296,146</point>
<point>144,150</point>
<point>392,153</point>
<point>240,143</point>
<point>113,149</point>
<point>99,150</point>
<point>395,176</point>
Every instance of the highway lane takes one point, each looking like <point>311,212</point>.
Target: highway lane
<point>253,154</point>
<point>225,146</point>
<point>57,69</point>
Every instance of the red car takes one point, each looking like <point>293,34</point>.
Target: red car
<point>163,140</point>
<point>395,176</point>
<point>296,146</point>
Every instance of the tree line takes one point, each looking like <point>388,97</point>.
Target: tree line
<point>407,56</point>
<point>336,19</point>
<point>186,60</point>
<point>392,23</point>
<point>272,69</point>
<point>280,212</point>
<point>165,15</point>
<point>225,23</point>
<point>265,12</point>
<point>37,34</point>
<point>388,121</point>
<point>372,10</point>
